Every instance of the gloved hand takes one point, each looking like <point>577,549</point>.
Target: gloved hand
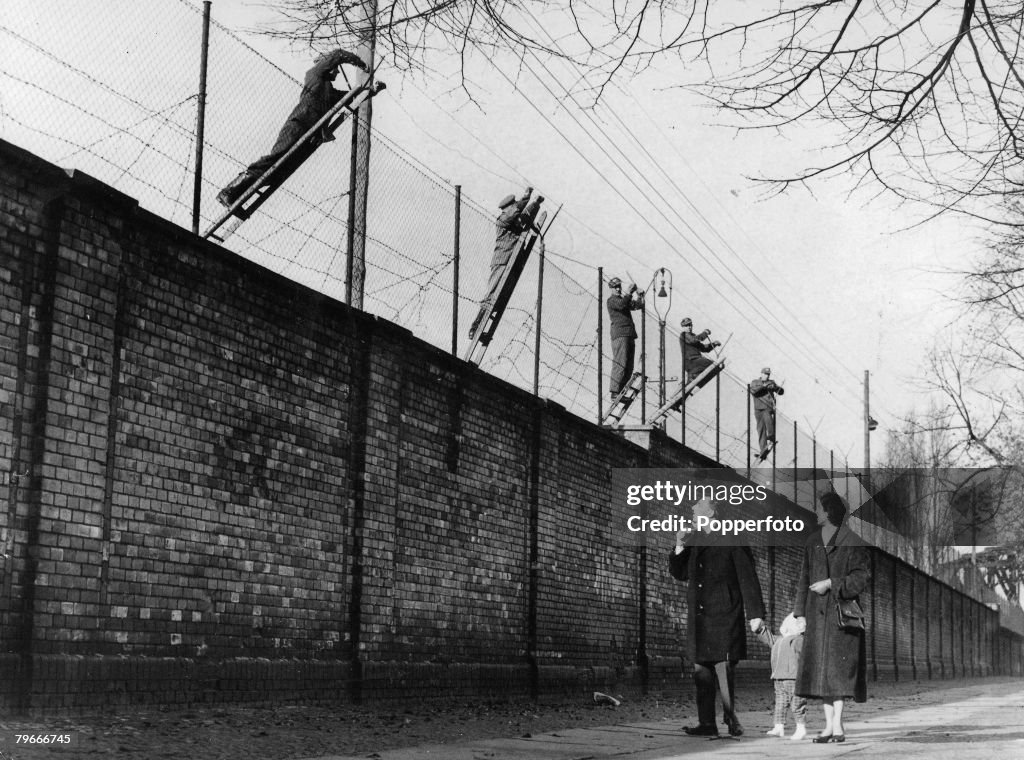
<point>716,343</point>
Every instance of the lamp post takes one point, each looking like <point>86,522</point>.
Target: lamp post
<point>662,306</point>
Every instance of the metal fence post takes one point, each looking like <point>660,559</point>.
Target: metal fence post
<point>814,470</point>
<point>796,497</point>
<point>748,431</point>
<point>718,417</point>
<point>540,311</point>
<point>204,55</point>
<point>455,273</point>
<point>643,364</point>
<point>600,345</point>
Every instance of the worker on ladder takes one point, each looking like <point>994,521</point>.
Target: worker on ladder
<point>623,333</point>
<point>764,390</point>
<point>513,219</point>
<point>318,97</point>
<point>694,346</point>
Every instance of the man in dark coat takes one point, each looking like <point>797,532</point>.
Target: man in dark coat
<point>836,565</point>
<point>723,592</point>
<point>764,390</point>
<point>317,98</point>
<point>514,218</point>
<point>694,346</point>
<point>623,332</point>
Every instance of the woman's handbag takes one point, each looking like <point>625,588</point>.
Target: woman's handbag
<point>851,616</point>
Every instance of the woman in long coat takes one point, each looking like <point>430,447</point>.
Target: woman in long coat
<point>836,566</point>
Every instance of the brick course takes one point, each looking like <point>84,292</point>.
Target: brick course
<point>219,486</point>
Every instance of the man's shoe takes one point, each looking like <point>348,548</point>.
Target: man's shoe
<point>232,193</point>
<point>225,198</point>
<point>735,729</point>
<point>701,730</point>
<point>236,188</point>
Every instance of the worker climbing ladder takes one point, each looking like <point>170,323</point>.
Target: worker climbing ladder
<point>624,399</point>
<point>267,183</point>
<point>481,336</point>
<point>763,455</point>
<point>676,401</point>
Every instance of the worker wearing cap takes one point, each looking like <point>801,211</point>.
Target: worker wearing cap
<point>694,346</point>
<point>514,217</point>
<point>623,333</point>
<point>317,98</point>
<point>764,390</point>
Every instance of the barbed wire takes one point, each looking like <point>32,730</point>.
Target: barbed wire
<point>142,140</point>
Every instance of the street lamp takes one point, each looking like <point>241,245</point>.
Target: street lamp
<point>662,306</point>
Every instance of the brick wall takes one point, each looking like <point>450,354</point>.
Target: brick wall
<point>219,486</point>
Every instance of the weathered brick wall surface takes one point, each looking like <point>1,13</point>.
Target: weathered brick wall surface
<point>903,616</point>
<point>219,486</point>
<point>881,635</point>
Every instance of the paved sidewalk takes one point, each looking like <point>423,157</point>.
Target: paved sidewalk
<point>971,728</point>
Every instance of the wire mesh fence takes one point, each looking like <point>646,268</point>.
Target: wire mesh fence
<point>113,106</point>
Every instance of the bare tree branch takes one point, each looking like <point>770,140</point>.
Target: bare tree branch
<point>923,98</point>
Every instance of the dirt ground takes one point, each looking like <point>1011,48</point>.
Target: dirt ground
<point>281,733</point>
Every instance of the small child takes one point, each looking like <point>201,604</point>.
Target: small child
<point>786,650</point>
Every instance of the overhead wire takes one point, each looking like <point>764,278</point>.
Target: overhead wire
<point>585,159</point>
<point>614,245</point>
<point>658,166</point>
<point>735,225</point>
<point>629,177</point>
<point>566,211</point>
<point>784,329</point>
